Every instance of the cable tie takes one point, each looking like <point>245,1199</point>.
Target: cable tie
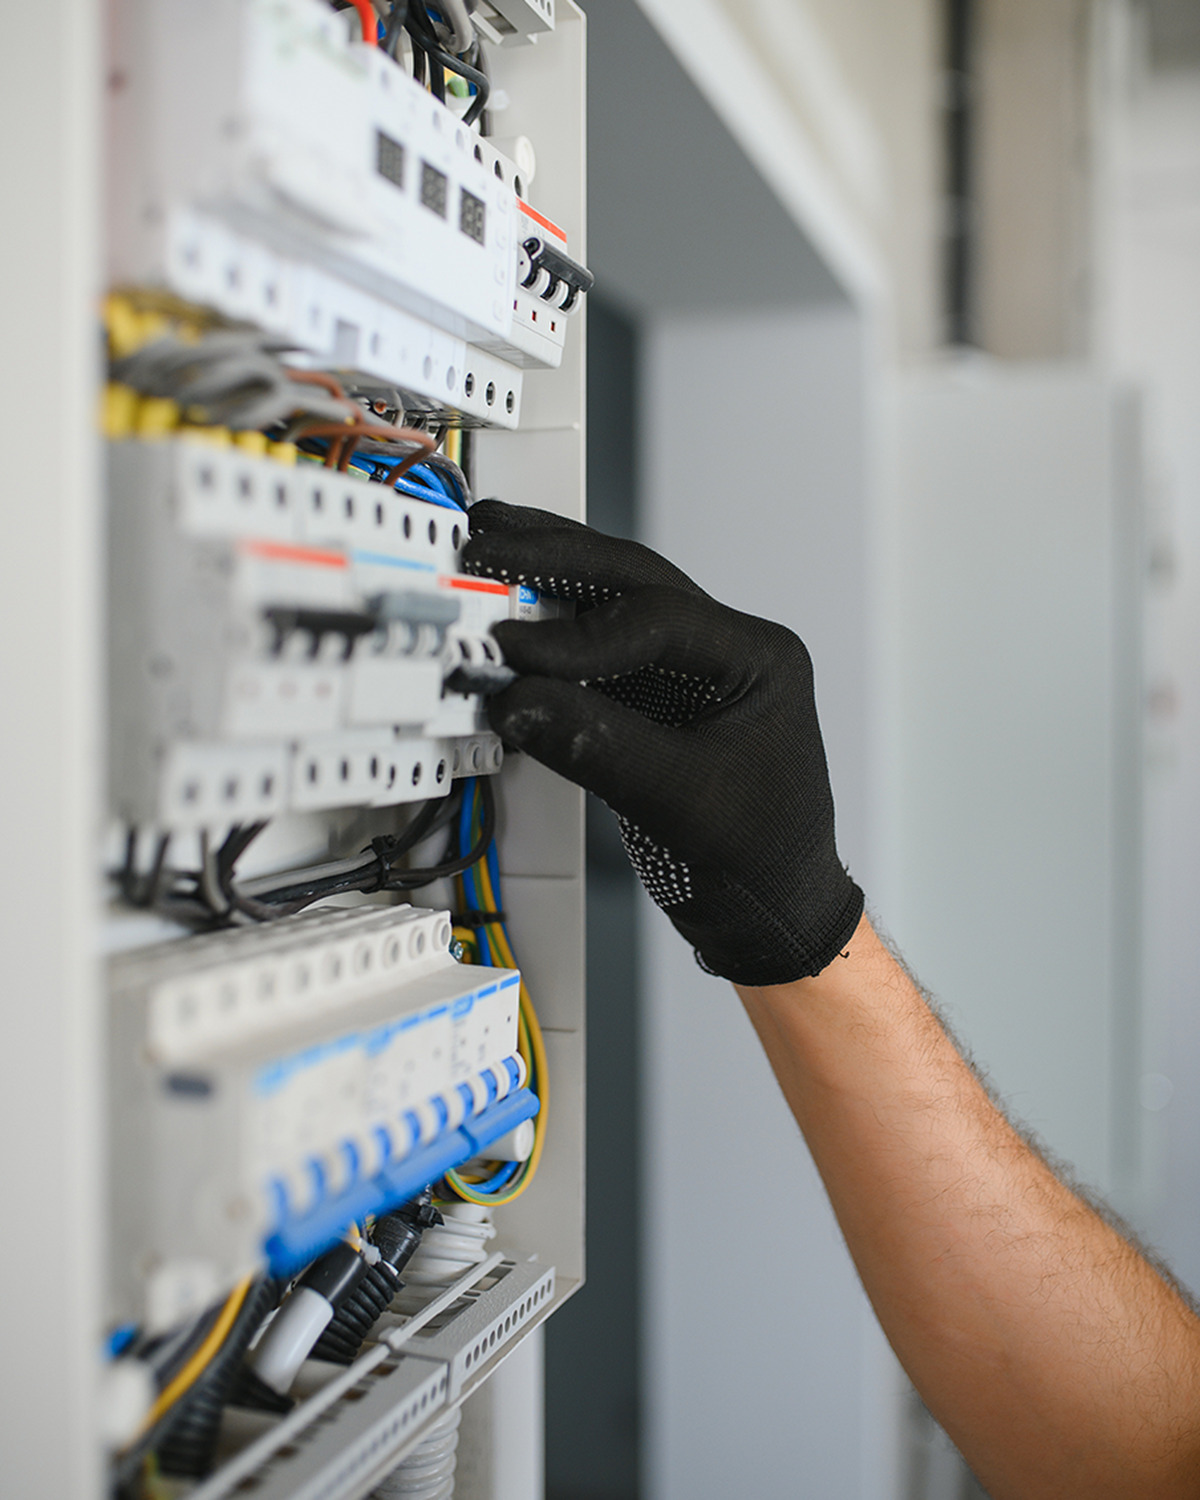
<point>383,846</point>
<point>479,918</point>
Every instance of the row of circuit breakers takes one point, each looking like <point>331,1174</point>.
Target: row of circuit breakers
<point>285,638</point>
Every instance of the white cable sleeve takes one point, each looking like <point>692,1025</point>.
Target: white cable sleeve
<point>285,1345</point>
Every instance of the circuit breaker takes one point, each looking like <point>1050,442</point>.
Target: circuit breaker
<point>343,973</point>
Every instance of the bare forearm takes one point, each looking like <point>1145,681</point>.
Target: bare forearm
<point>1057,1359</point>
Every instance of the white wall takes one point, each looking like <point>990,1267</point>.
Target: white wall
<point>763,1372</point>
<point>50,754</point>
<point>1153,336</point>
<point>1012,745</point>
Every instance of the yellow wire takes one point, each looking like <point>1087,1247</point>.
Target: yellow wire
<point>530,1044</point>
<point>203,1356</point>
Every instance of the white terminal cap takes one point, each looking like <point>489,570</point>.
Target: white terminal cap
<point>126,1396</point>
<point>517,1145</point>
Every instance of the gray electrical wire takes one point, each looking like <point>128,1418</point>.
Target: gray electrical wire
<point>458,19</point>
<point>232,377</point>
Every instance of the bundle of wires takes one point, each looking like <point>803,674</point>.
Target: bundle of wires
<point>436,479</point>
<point>481,929</point>
<point>194,1369</point>
<point>212,896</point>
<point>443,40</point>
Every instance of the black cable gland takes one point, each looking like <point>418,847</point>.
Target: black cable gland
<point>344,1335</point>
<point>397,1235</point>
<point>336,1274</point>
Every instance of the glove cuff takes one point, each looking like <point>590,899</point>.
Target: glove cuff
<point>758,947</point>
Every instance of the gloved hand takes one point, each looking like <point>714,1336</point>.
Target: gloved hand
<point>696,724</point>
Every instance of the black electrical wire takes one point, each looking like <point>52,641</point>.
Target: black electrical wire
<point>139,890</point>
<point>477,59</point>
<point>186,895</point>
<point>409,880</point>
<point>425,42</point>
<point>420,28</point>
<point>395,29</point>
<point>434,815</point>
<point>377,872</point>
<point>483,87</point>
<point>239,840</point>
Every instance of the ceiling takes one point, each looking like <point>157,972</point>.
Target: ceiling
<point>678,217</point>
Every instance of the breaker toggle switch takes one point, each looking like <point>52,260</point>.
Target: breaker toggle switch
<point>288,620</point>
<point>410,607</point>
<point>552,275</point>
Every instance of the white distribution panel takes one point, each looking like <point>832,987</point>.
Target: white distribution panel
<point>272,1084</point>
<point>283,639</point>
<point>317,169</point>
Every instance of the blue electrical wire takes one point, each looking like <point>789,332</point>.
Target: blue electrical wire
<point>443,478</point>
<point>505,1174</point>
<point>426,474</point>
<point>431,497</point>
<point>470,890</point>
<point>428,485</point>
<point>119,1340</point>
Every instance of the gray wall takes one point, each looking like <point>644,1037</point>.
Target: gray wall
<point>763,1373</point>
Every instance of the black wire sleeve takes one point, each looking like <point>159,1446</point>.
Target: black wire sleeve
<point>343,1336</point>
<point>188,1445</point>
<point>166,1356</point>
<point>186,1433</point>
<point>396,1235</point>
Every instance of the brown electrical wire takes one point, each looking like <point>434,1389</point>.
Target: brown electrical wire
<point>425,450</point>
<point>378,431</point>
<point>317,377</point>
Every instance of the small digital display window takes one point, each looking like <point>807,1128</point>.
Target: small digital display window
<point>472,216</point>
<point>433,189</point>
<point>389,158</point>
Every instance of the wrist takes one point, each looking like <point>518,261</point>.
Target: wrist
<point>854,1025</point>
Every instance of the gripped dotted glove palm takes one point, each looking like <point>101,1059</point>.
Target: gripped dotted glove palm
<point>695,723</point>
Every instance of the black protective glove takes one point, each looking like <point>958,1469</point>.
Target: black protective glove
<point>696,724</point>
